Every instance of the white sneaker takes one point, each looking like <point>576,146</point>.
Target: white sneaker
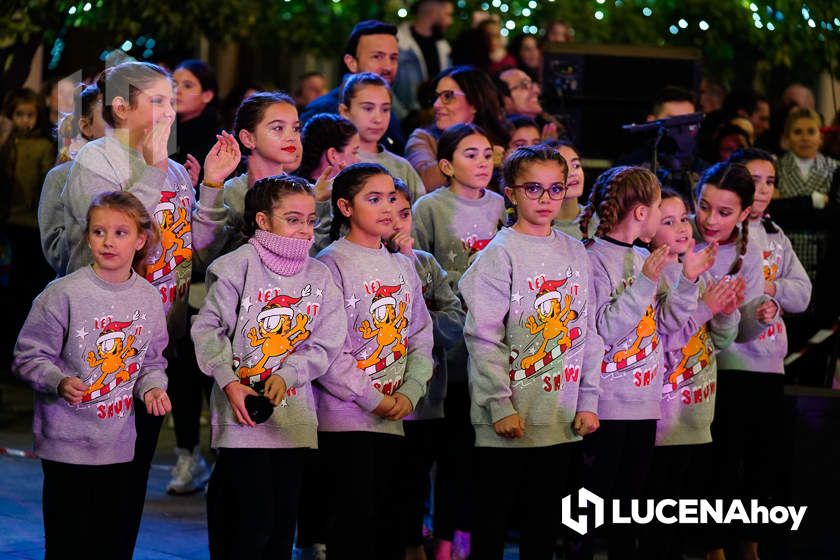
<point>190,473</point>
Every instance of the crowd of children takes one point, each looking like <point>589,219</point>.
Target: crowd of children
<point>461,332</point>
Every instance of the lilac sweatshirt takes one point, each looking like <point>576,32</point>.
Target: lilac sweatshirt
<point>189,229</point>
<point>780,265</point>
<point>112,337</point>
<point>255,323</point>
<point>689,383</point>
<point>629,318</point>
<point>388,339</point>
<point>531,337</point>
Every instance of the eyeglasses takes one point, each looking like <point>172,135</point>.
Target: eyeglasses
<point>295,222</point>
<point>447,96</point>
<point>525,84</point>
<point>535,191</point>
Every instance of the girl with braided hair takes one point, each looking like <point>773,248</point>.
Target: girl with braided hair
<point>744,430</point>
<point>631,312</point>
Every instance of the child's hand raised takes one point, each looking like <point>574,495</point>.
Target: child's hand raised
<point>323,186</point>
<point>156,144</point>
<point>193,168</point>
<point>695,264</point>
<point>72,389</point>
<point>655,262</point>
<point>222,158</point>
<point>275,389</point>
<point>739,287</point>
<point>157,402</point>
<point>719,296</point>
<point>236,393</point>
<point>402,407</point>
<point>511,427</point>
<point>586,423</point>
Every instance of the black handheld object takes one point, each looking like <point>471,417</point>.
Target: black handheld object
<point>259,407</point>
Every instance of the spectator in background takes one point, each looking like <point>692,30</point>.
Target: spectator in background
<point>797,95</point>
<point>729,139</point>
<point>525,49</point>
<point>520,95</point>
<point>371,47</point>
<point>237,95</point>
<point>424,50</point>
<point>463,94</point>
<point>500,59</point>
<point>558,31</point>
<point>711,96</point>
<point>311,86</point>
<point>196,101</point>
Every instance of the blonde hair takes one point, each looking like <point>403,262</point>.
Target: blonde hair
<point>131,206</point>
<point>616,192</point>
<point>798,113</point>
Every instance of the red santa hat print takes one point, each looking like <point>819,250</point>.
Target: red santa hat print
<point>384,296</point>
<point>113,331</point>
<point>166,203</point>
<point>550,289</point>
<point>282,305</point>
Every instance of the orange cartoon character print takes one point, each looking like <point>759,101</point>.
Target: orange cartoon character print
<point>770,261</point>
<point>551,323</point>
<point>109,362</point>
<point>280,329</point>
<point>644,342</point>
<point>389,322</point>
<point>174,226</point>
<point>695,358</point>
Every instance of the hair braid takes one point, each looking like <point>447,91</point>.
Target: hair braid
<point>740,248</point>
<point>585,218</point>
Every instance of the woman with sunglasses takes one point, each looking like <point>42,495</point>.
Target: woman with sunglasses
<point>463,94</point>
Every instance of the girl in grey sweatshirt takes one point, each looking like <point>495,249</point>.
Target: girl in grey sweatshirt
<point>534,358</point>
<point>748,401</point>
<point>92,347</point>
<point>689,383</point>
<point>268,325</point>
<point>380,374</point>
<point>630,318</point>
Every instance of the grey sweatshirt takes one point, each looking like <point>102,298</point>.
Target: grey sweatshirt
<point>689,384</point>
<point>51,218</point>
<point>398,167</point>
<point>189,230</point>
<point>388,339</point>
<point>779,264</point>
<point>448,327</point>
<point>121,361</point>
<point>531,337</point>
<point>629,318</point>
<point>454,230</point>
<point>255,323</point>
<point>749,328</point>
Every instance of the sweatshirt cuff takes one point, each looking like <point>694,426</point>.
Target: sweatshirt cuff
<point>224,376</point>
<point>500,408</point>
<point>721,321</point>
<point>703,314</point>
<point>211,199</point>
<point>686,287</point>
<point>587,401</point>
<point>149,381</point>
<point>646,284</point>
<point>370,400</point>
<point>52,379</point>
<point>412,390</point>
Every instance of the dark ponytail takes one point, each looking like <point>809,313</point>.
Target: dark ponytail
<point>347,184</point>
